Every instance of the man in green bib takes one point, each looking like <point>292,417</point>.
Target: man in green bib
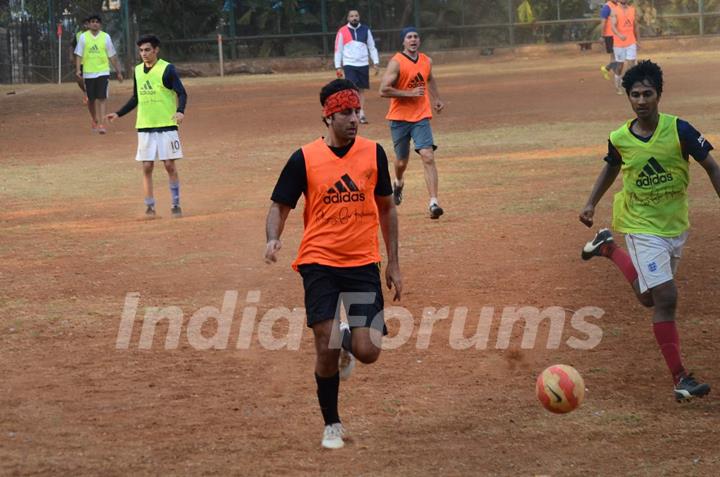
<point>652,151</point>
<point>93,54</point>
<point>160,98</point>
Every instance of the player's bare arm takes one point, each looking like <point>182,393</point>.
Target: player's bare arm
<point>389,227</point>
<point>435,100</point>
<point>178,117</point>
<point>274,225</point>
<point>613,25</point>
<point>78,66</point>
<point>387,89</point>
<point>713,172</point>
<point>602,184</point>
<point>116,65</point>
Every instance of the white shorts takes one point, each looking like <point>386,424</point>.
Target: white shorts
<point>625,53</point>
<point>655,258</point>
<point>158,146</point>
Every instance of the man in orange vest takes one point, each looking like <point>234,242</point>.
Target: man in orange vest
<point>625,40</point>
<point>607,35</point>
<point>411,87</point>
<point>346,184</point>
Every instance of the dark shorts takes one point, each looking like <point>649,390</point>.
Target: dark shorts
<point>324,284</point>
<point>608,44</point>
<point>96,88</point>
<point>360,75</point>
<point>420,133</point>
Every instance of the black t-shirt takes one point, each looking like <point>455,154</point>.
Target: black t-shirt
<point>692,144</point>
<point>293,179</point>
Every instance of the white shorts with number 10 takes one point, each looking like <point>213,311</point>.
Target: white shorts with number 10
<point>158,146</point>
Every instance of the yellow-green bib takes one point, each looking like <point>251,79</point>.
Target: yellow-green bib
<point>156,103</point>
<point>95,58</point>
<point>655,175</point>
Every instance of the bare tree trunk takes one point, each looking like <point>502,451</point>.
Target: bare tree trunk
<point>406,14</point>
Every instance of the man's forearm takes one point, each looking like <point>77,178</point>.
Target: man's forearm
<point>78,64</point>
<point>389,227</point>
<point>275,222</point>
<point>115,63</point>
<point>603,183</point>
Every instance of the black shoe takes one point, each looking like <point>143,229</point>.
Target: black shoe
<point>363,120</point>
<point>150,211</point>
<point>436,211</point>
<point>176,211</point>
<point>592,248</point>
<point>688,388</point>
<point>397,193</point>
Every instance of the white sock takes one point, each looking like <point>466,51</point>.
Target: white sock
<point>433,200</point>
<point>618,81</point>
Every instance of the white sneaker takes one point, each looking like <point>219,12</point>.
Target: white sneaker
<point>333,436</point>
<point>346,364</point>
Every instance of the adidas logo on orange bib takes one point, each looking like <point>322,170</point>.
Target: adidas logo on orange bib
<point>653,174</point>
<point>344,190</point>
<point>418,80</point>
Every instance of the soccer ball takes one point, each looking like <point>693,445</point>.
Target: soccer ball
<point>560,388</point>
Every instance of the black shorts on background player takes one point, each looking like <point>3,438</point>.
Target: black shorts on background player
<point>608,44</point>
<point>360,75</point>
<point>97,88</point>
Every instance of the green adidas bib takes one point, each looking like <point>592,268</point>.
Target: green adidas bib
<point>156,104</point>
<point>655,175</point>
<point>95,58</point>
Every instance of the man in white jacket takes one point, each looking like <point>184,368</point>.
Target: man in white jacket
<point>354,46</point>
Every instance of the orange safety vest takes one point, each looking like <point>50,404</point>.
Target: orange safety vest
<point>626,26</point>
<point>412,74</point>
<point>607,30</point>
<point>341,217</point>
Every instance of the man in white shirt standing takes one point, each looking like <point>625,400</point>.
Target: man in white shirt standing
<point>93,54</point>
<point>354,43</point>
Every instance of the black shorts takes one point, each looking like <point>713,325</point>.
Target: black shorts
<point>360,75</point>
<point>97,88</point>
<point>324,284</point>
<point>608,44</point>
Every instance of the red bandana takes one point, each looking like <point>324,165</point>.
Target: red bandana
<point>340,101</point>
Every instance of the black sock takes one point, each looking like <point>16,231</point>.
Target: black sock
<point>327,393</point>
<point>347,341</point>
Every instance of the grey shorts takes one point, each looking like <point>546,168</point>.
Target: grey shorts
<point>403,131</point>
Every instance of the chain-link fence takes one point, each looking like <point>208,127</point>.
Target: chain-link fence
<point>189,30</point>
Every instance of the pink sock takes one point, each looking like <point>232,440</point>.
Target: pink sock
<point>620,258</point>
<point>667,338</point>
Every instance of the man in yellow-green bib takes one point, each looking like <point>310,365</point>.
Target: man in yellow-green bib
<point>93,54</point>
<point>652,151</point>
<point>160,98</point>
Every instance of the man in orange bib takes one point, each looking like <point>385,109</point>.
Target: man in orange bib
<point>625,40</point>
<point>411,87</point>
<point>346,184</point>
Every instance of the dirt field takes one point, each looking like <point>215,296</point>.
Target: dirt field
<point>520,143</point>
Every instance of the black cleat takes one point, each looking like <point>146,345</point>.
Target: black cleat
<point>688,388</point>
<point>363,120</point>
<point>176,211</point>
<point>397,193</point>
<point>592,248</point>
<point>436,211</point>
<point>150,211</point>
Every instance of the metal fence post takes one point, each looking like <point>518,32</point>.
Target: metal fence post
<point>416,13</point>
<point>701,18</point>
<point>220,54</point>
<point>511,20</point>
<point>324,21</point>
